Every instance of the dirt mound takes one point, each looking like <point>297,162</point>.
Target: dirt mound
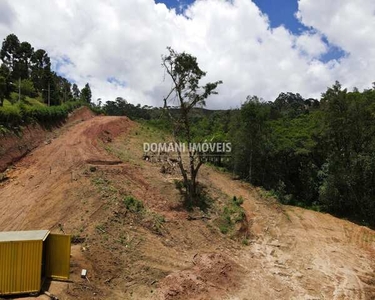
<point>80,114</point>
<point>212,276</point>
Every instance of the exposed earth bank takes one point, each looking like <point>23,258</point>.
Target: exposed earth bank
<point>14,146</point>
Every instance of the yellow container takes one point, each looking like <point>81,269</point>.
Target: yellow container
<point>27,257</point>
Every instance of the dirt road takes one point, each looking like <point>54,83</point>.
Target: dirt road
<point>293,253</point>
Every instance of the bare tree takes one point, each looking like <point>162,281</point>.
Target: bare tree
<point>186,93</point>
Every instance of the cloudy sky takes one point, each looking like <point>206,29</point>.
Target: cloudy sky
<point>259,47</point>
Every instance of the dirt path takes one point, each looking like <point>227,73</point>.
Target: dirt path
<point>301,254</point>
<point>36,195</point>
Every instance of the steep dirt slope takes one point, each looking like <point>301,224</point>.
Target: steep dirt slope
<point>78,184</point>
<point>302,254</point>
<point>36,195</point>
<point>15,146</point>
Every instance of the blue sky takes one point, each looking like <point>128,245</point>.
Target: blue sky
<point>280,12</point>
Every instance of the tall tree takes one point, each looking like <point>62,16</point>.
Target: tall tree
<point>5,73</point>
<point>2,90</point>
<point>348,187</point>
<point>9,52</point>
<point>66,89</point>
<point>41,74</point>
<point>185,74</point>
<point>86,93</point>
<point>250,137</point>
<point>22,67</point>
<point>76,91</point>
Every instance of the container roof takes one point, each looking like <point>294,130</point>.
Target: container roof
<point>31,235</point>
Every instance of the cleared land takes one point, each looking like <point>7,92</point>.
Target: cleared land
<point>78,181</point>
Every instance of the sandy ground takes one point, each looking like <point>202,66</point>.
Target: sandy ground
<point>302,254</point>
<point>293,253</point>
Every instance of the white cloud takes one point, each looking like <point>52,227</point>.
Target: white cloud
<point>311,44</point>
<point>232,40</point>
<point>7,14</point>
<point>348,24</point>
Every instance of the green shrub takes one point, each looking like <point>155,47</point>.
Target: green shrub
<point>245,242</point>
<point>3,130</point>
<point>179,184</point>
<point>202,199</point>
<point>21,113</point>
<point>133,204</point>
<point>27,88</point>
<point>10,115</point>
<point>237,201</point>
<point>232,213</point>
<point>225,223</point>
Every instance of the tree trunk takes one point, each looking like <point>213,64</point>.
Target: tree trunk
<point>251,162</point>
<point>251,165</point>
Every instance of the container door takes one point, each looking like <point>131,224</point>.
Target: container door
<point>57,256</point>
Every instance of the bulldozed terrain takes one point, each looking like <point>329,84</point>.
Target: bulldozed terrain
<point>137,241</point>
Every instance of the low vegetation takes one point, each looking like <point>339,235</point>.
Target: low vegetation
<point>12,116</point>
<point>232,214</point>
<point>203,202</point>
<point>139,213</point>
<point>146,217</point>
<point>133,204</point>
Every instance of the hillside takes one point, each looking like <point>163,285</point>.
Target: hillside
<point>33,125</point>
<point>137,241</point>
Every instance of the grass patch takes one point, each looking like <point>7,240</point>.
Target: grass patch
<point>77,239</point>
<point>100,228</point>
<point>245,242</point>
<point>133,204</point>
<point>140,214</point>
<point>203,200</point>
<point>106,190</point>
<point>132,147</point>
<point>231,214</point>
<point>4,130</point>
<point>148,218</point>
<point>154,222</point>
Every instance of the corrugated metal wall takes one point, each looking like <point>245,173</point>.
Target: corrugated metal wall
<point>58,256</point>
<point>20,267</point>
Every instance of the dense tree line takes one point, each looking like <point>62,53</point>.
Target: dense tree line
<point>28,71</point>
<point>317,154</point>
<point>121,107</point>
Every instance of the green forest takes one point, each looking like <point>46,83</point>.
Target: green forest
<point>317,154</point>
<point>30,90</point>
